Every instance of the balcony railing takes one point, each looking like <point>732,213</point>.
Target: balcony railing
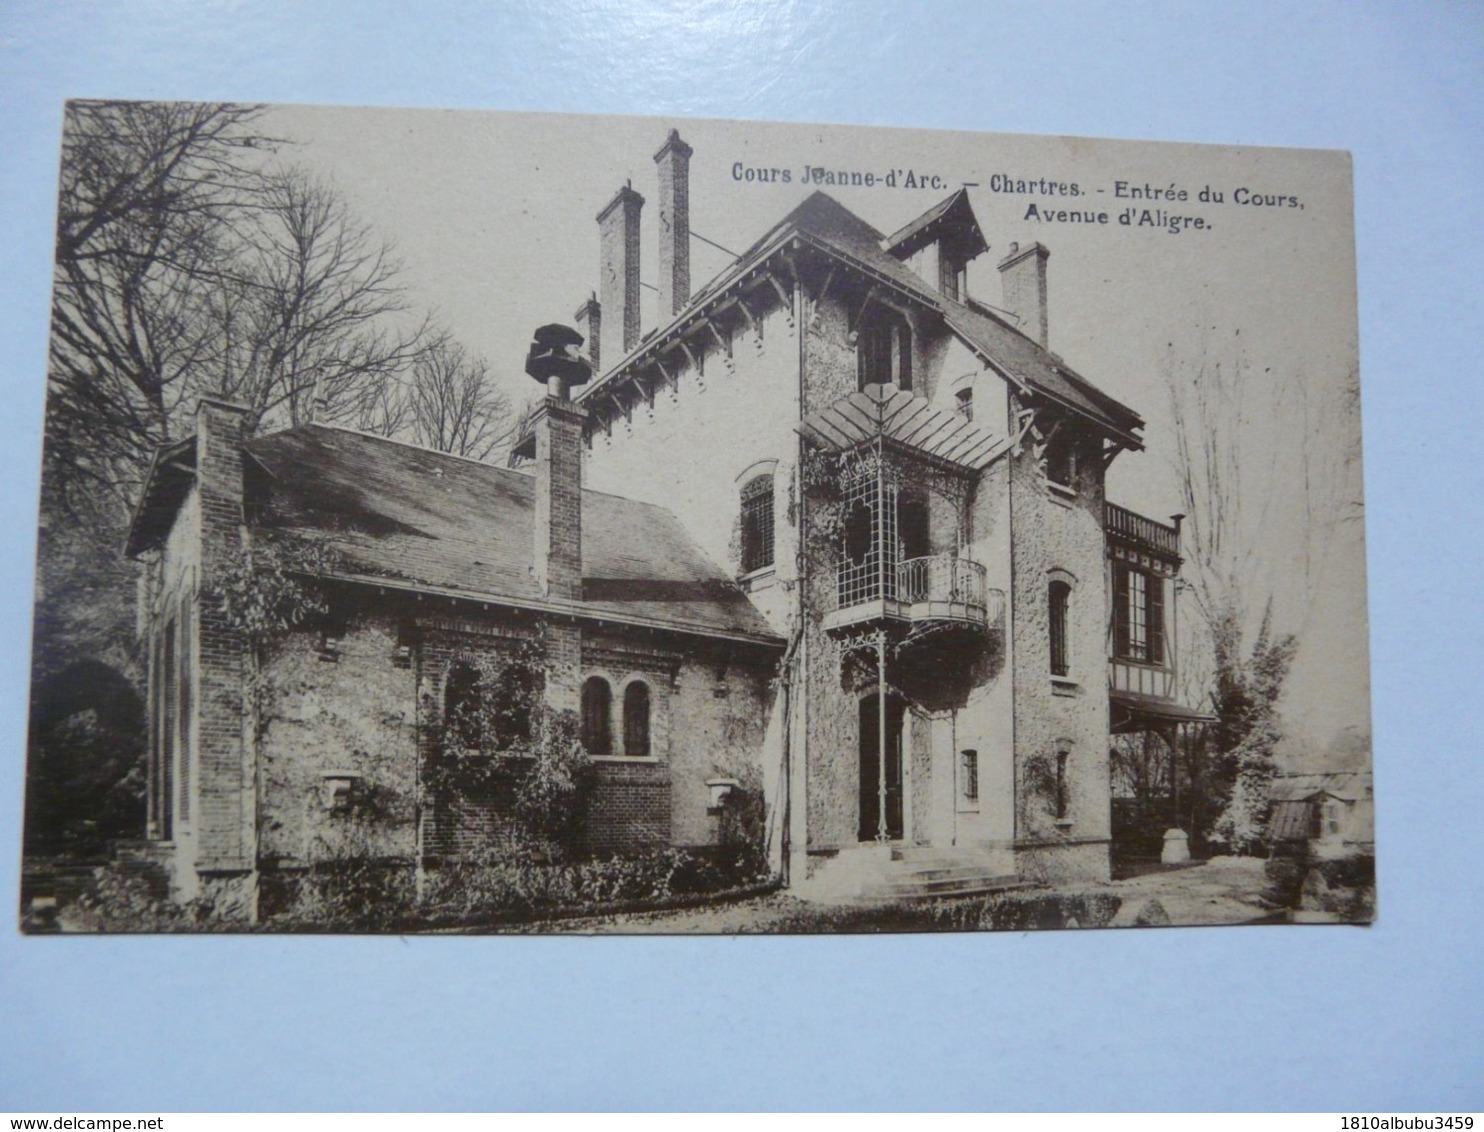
<point>934,587</point>
<point>1147,533</point>
<point>941,578</point>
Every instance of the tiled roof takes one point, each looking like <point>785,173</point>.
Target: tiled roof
<point>421,518</point>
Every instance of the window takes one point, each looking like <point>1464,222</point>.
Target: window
<point>912,524</point>
<point>964,403</point>
<point>636,719</point>
<point>515,697</point>
<point>757,523</point>
<point>969,764</point>
<point>597,701</point>
<point>884,351</point>
<point>952,274</point>
<point>1058,595</point>
<point>462,715</point>
<point>184,662</point>
<point>1061,459</point>
<point>1061,784</point>
<point>168,723</point>
<point>1139,616</point>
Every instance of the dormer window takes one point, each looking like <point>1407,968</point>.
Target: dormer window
<point>953,275</point>
<point>884,350</point>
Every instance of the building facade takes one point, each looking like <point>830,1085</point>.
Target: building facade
<point>833,527</point>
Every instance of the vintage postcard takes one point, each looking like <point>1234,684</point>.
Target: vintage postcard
<point>494,522</point>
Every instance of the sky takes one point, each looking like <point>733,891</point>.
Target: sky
<point>494,219</point>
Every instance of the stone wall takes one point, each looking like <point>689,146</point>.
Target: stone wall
<point>1060,530</point>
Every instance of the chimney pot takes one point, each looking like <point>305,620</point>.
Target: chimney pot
<point>555,359</point>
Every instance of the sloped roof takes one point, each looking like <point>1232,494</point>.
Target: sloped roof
<point>894,414</point>
<point>426,519</point>
<point>822,222</point>
<point>1347,785</point>
<point>953,216</point>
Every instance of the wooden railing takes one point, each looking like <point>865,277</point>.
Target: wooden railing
<point>1125,524</point>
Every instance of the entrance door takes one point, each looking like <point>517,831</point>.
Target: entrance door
<point>870,754</point>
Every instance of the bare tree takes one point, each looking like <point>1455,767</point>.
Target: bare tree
<point>149,195</point>
<point>1250,461</point>
<point>314,319</point>
<point>455,405</point>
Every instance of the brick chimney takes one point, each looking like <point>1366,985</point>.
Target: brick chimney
<point>226,809</point>
<point>673,159</point>
<point>618,273</point>
<point>590,315</point>
<point>555,360</point>
<point>1023,277</point>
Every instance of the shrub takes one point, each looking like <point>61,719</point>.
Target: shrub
<point>123,900</point>
<point>1284,871</point>
<point>343,894</point>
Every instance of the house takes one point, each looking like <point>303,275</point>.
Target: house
<point>1333,812</point>
<point>834,526</point>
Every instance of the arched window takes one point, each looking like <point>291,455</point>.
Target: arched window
<point>514,704</point>
<point>1058,595</point>
<point>636,719</point>
<point>462,703</point>
<point>597,702</point>
<point>884,350</point>
<point>757,523</point>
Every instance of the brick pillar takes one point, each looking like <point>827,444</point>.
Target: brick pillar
<point>674,162</point>
<point>618,272</point>
<point>1023,277</point>
<point>225,787</point>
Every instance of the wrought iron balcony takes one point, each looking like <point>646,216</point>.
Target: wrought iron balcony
<point>936,587</point>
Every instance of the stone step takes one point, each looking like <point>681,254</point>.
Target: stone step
<point>946,871</point>
<point>946,889</point>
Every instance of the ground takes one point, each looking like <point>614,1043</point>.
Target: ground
<point>1224,890</point>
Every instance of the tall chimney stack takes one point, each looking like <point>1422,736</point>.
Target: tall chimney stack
<point>618,273</point>
<point>590,315</point>
<point>555,360</point>
<point>673,159</point>
<point>1023,278</point>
